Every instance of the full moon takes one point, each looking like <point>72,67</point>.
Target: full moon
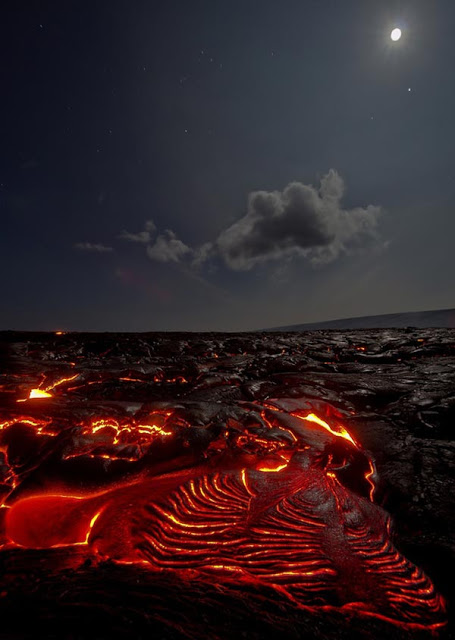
<point>396,34</point>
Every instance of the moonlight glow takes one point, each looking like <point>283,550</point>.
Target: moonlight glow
<point>396,34</point>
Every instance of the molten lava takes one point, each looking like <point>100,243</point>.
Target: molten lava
<point>44,393</point>
<point>338,431</point>
<point>39,393</point>
<point>262,504</point>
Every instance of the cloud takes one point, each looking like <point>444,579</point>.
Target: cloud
<point>168,248</point>
<point>88,246</point>
<point>202,254</point>
<point>298,221</point>
<point>143,237</point>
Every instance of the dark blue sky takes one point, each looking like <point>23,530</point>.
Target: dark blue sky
<point>136,135</point>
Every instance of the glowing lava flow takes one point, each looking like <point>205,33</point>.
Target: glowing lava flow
<point>338,431</point>
<point>39,393</point>
<point>45,393</point>
<point>36,423</point>
<point>261,504</point>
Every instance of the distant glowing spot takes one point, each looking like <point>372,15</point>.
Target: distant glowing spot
<point>396,34</point>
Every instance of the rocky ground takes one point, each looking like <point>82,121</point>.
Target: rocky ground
<point>394,388</point>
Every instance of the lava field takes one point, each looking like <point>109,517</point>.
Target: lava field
<point>177,485</point>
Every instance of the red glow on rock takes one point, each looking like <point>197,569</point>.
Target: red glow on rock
<point>264,504</point>
<point>338,431</point>
<point>45,392</point>
<point>43,522</point>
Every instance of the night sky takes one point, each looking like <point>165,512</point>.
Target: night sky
<point>224,164</point>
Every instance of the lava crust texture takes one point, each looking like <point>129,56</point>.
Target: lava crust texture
<point>198,470</point>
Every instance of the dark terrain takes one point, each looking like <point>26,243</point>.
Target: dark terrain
<point>395,391</point>
<point>441,318</point>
